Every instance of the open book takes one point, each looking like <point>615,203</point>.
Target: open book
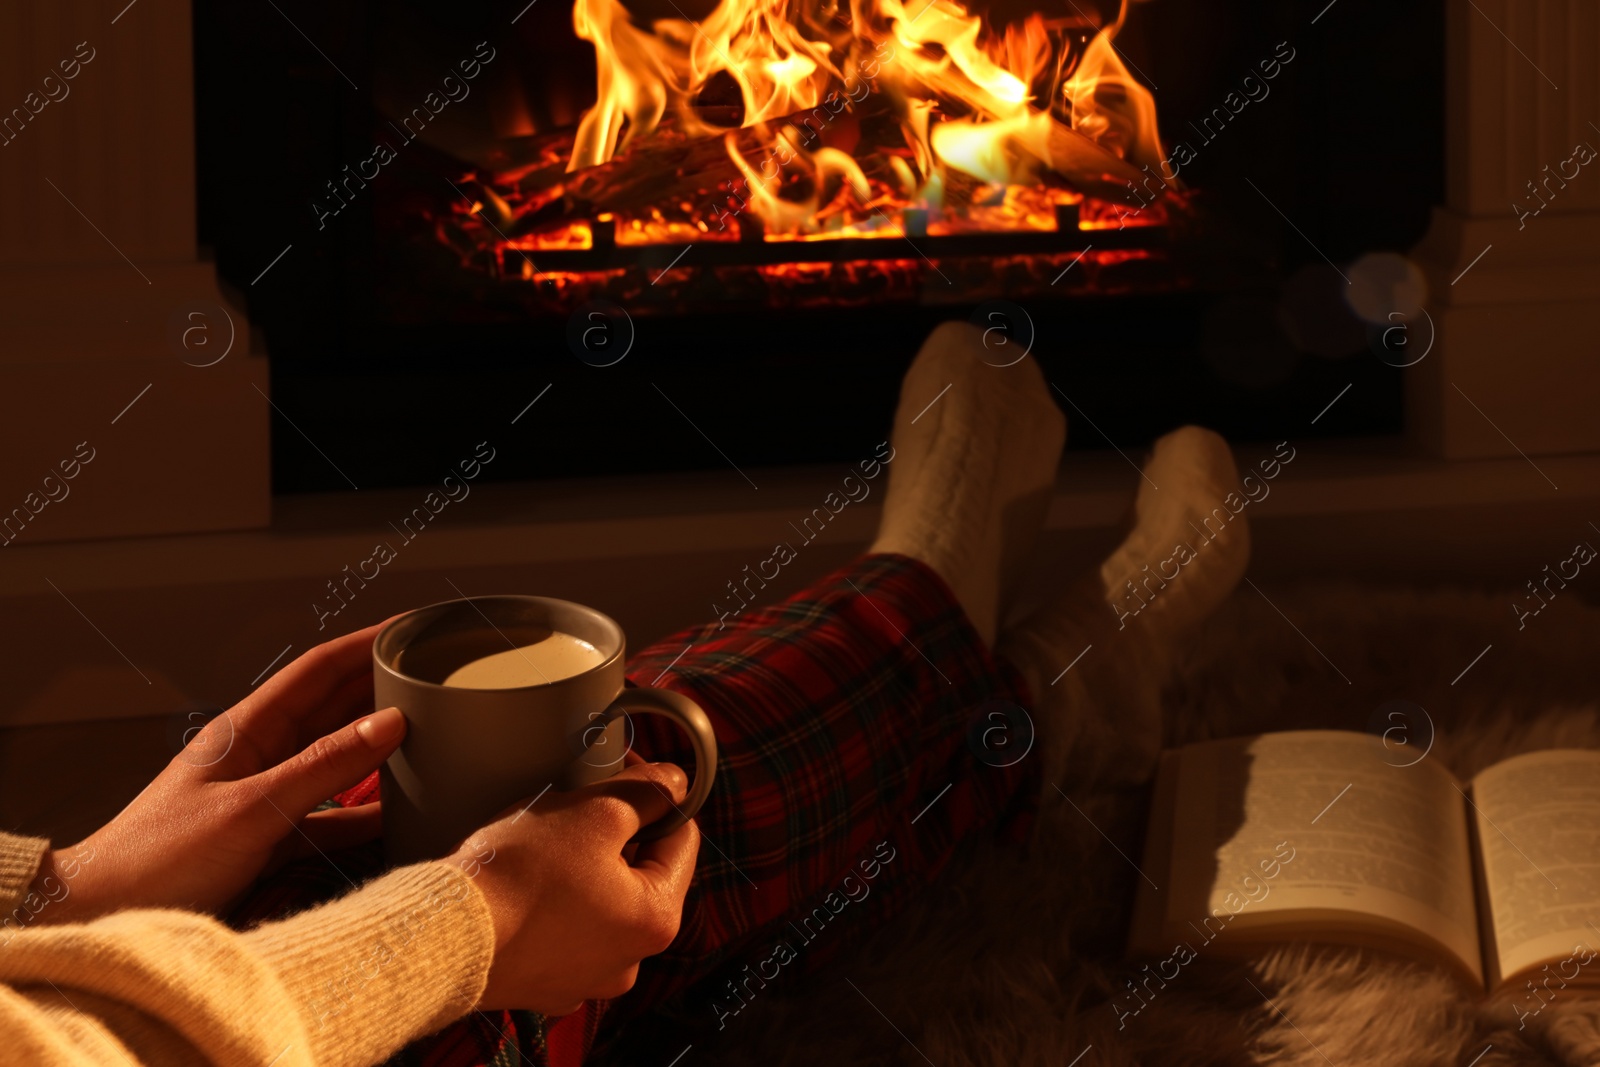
<point>1312,836</point>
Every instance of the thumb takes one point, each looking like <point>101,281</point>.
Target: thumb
<point>332,763</point>
<point>648,791</point>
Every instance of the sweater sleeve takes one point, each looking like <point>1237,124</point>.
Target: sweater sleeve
<point>341,985</point>
<point>19,862</point>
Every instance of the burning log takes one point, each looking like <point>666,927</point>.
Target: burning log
<point>673,173</point>
<point>1090,168</point>
<point>670,169</point>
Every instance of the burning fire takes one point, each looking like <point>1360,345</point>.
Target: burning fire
<point>998,109</point>
<point>806,120</point>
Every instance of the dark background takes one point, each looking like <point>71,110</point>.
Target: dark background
<point>1349,145</point>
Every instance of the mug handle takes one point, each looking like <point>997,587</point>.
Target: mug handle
<point>694,722</point>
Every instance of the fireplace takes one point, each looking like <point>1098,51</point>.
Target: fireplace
<point>137,328</point>
<point>780,199</point>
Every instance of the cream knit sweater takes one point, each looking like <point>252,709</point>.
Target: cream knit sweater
<point>344,984</point>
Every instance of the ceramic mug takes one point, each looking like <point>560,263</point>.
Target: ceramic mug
<point>471,753</point>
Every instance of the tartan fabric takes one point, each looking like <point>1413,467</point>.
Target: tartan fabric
<point>853,714</point>
<point>854,722</point>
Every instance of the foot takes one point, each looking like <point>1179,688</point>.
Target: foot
<point>1120,627</point>
<point>1188,548</point>
<point>975,453</point>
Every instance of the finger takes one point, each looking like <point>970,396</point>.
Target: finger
<point>317,693</point>
<point>636,796</point>
<point>275,734</point>
<point>310,680</point>
<point>323,832</point>
<point>349,702</point>
<point>332,763</point>
<point>338,828</point>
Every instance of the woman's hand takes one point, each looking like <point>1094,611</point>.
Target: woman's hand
<point>238,799</point>
<point>575,906</point>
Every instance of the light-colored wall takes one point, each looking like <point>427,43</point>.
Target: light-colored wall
<point>1514,278</point>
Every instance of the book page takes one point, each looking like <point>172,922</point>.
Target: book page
<point>1315,822</point>
<point>1538,826</point>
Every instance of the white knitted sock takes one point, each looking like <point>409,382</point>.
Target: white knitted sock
<point>1119,627</point>
<point>976,449</point>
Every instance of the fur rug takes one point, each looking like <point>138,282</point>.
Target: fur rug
<point>1013,959</point>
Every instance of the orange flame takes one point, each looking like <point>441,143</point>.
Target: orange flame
<point>827,168</point>
<point>1010,108</point>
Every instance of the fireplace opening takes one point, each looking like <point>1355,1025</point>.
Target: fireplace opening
<point>800,153</point>
<point>660,210</point>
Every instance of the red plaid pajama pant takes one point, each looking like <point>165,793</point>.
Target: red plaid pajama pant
<point>864,731</point>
